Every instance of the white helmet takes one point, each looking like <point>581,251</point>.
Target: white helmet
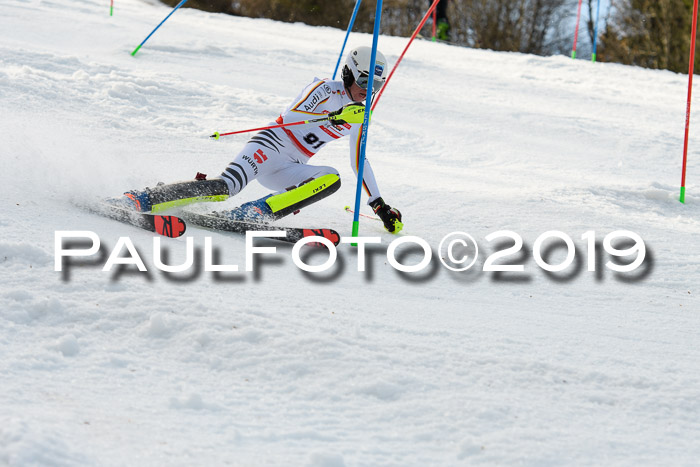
<point>356,69</point>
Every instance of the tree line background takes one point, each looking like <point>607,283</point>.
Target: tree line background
<point>647,33</point>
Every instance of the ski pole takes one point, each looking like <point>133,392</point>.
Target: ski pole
<point>348,209</point>
<point>415,33</point>
<point>161,23</point>
<point>216,135</point>
<point>351,113</point>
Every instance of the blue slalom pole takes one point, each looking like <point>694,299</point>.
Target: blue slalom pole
<point>161,23</point>
<point>365,124</point>
<point>595,34</point>
<point>347,34</point>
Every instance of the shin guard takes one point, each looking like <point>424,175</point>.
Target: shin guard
<point>286,202</point>
<point>175,195</point>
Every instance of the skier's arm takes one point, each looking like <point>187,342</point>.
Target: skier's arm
<point>309,103</point>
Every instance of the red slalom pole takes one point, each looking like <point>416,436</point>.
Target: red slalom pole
<point>578,21</point>
<point>415,33</point>
<point>691,70</point>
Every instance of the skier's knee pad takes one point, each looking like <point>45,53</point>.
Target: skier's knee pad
<point>307,193</point>
<point>175,195</point>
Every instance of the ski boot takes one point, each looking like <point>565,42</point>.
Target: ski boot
<point>277,205</point>
<point>257,211</point>
<point>175,195</point>
<point>391,217</point>
<point>133,200</point>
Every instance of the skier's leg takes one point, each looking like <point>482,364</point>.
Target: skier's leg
<point>298,185</point>
<point>163,197</point>
<point>247,165</point>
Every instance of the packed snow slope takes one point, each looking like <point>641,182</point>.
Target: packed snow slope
<point>283,367</point>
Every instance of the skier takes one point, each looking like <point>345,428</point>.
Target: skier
<point>278,158</point>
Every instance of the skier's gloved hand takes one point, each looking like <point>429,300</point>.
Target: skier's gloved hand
<point>354,112</point>
<point>390,216</point>
<point>335,117</point>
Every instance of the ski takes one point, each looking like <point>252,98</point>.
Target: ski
<point>294,234</point>
<point>168,226</point>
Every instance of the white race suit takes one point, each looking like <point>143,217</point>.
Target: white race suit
<point>278,158</point>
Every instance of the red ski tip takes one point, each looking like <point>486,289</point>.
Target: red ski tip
<point>169,226</point>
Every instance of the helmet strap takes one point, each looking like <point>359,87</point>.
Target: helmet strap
<point>348,78</point>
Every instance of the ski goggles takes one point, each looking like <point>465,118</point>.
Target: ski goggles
<point>363,80</point>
